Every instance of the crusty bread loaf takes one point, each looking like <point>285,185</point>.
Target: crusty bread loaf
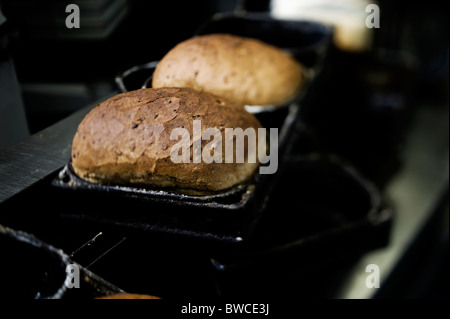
<point>243,70</point>
<point>126,140</point>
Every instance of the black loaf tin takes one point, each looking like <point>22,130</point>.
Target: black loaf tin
<point>328,207</point>
<point>230,216</point>
<point>33,269</point>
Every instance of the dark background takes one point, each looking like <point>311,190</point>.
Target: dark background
<point>45,52</point>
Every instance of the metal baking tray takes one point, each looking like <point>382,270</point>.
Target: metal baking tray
<point>322,210</point>
<point>230,216</point>
<point>330,215</point>
<point>330,207</point>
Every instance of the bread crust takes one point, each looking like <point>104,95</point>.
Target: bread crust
<point>244,70</point>
<point>126,140</point>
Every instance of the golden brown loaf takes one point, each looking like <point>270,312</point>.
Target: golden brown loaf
<point>244,70</point>
<point>126,140</point>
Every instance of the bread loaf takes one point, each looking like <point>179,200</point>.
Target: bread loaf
<point>243,70</point>
<point>126,140</point>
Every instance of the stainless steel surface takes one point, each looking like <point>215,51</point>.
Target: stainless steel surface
<point>30,161</point>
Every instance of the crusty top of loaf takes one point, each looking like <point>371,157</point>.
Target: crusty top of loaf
<point>244,70</point>
<point>126,140</point>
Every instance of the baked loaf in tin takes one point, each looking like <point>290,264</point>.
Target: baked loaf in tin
<point>127,140</point>
<point>244,70</point>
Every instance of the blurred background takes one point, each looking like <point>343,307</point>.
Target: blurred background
<point>382,77</point>
<point>59,70</point>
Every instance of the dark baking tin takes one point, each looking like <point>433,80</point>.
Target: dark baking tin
<point>331,208</point>
<point>226,216</point>
<point>330,215</point>
<point>37,270</point>
<point>230,216</point>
